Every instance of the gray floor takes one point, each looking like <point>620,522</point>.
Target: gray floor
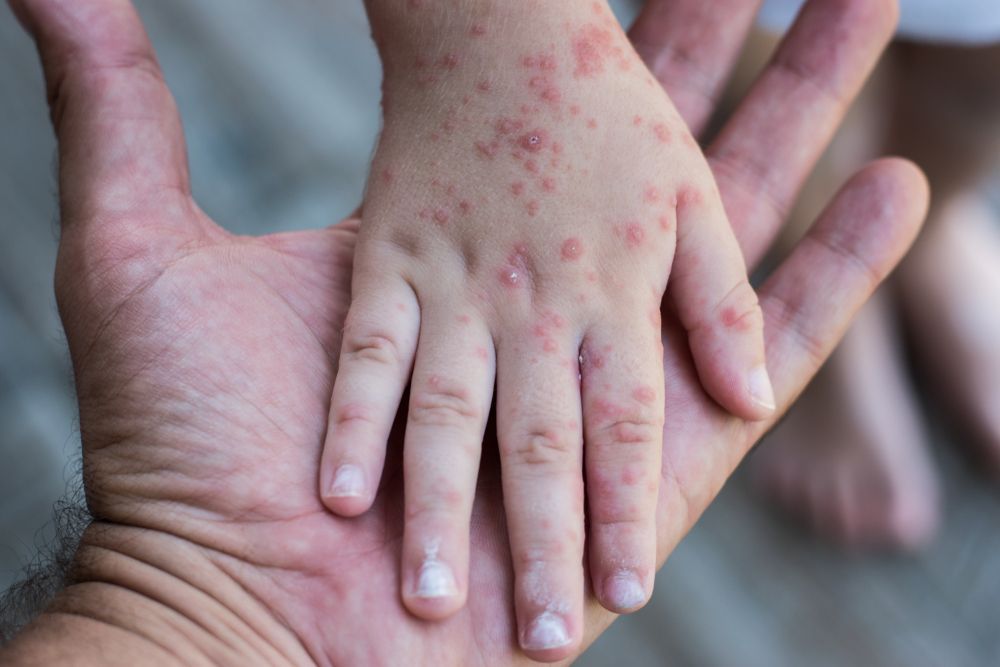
<point>279,103</point>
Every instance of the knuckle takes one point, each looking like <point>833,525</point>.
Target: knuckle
<point>541,447</point>
<point>739,310</point>
<point>444,405</point>
<point>376,346</point>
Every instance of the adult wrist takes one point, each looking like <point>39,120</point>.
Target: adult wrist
<point>138,596</point>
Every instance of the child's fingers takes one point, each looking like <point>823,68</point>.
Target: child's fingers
<point>450,397</point>
<point>622,369</point>
<point>719,309</point>
<point>376,355</point>
<point>538,415</point>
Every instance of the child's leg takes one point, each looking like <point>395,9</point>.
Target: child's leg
<point>950,284</point>
<point>851,457</point>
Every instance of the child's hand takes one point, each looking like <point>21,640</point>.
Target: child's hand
<point>526,199</point>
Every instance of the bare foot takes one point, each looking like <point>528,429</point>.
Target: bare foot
<point>850,459</point>
<point>950,291</point>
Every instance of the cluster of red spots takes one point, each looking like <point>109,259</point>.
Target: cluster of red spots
<point>545,89</point>
<point>541,61</point>
<point>592,47</point>
<point>516,272</point>
<point>572,249</point>
<point>662,133</point>
<point>644,394</point>
<point>477,30</point>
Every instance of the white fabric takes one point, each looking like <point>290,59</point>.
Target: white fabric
<point>950,21</point>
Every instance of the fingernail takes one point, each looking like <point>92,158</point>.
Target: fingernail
<point>624,590</point>
<point>547,631</point>
<point>349,482</point>
<point>435,580</point>
<point>761,391</point>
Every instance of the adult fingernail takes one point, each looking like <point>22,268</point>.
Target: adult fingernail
<point>547,631</point>
<point>435,580</point>
<point>761,391</point>
<point>624,590</point>
<point>349,482</point>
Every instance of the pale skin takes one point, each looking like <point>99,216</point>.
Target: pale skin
<point>203,361</point>
<point>532,191</point>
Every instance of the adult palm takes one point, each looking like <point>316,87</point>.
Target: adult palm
<point>204,361</point>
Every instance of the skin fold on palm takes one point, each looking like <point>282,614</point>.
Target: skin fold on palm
<point>204,361</point>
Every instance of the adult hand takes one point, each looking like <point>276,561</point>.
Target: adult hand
<point>204,361</point>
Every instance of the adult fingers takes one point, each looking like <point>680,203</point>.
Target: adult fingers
<point>121,146</point>
<point>768,147</point>
<point>691,50</point>
<point>812,297</point>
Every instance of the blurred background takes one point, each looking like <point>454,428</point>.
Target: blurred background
<point>280,105</point>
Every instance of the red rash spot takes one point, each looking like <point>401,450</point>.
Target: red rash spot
<point>488,149</point>
<point>387,176</point>
<point>688,197</point>
<point>549,184</point>
<point>463,319</point>
<point>477,30</point>
<point>645,395</point>
<point>533,141</point>
<point>666,224</point>
<point>441,216</point>
<point>550,346</point>
<point>465,207</point>
<point>662,133</point>
<point>533,208</point>
<point>651,195</point>
<point>517,188</point>
<point>634,235</point>
<point>630,476</point>
<point>574,110</point>
<point>572,250</point>
<point>531,166</point>
<point>515,273</point>
<point>401,307</point>
<point>481,353</point>
<point>591,46</point>
<point>637,121</point>
<point>556,147</point>
<point>506,126</point>
<point>592,123</point>
<point>484,86</point>
<point>448,61</point>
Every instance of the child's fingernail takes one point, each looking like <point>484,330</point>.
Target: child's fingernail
<point>761,391</point>
<point>547,631</point>
<point>624,590</point>
<point>349,482</point>
<point>435,580</point>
